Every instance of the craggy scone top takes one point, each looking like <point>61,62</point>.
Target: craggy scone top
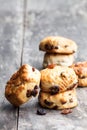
<point>22,85</point>
<point>57,44</point>
<point>56,79</point>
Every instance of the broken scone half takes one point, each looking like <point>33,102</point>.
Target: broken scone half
<point>22,85</point>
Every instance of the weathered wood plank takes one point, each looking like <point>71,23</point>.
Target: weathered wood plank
<point>11,23</point>
<point>54,17</point>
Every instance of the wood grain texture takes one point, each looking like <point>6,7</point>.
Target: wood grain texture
<point>11,23</point>
<point>43,18</point>
<point>23,23</point>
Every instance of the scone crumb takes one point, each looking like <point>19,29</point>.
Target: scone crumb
<point>66,111</point>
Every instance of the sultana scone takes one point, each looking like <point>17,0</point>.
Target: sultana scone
<point>56,79</point>
<point>22,85</point>
<point>80,69</point>
<point>57,44</point>
<point>67,99</point>
<point>59,59</point>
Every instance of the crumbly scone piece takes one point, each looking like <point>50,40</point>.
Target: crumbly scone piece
<point>57,44</point>
<point>80,69</point>
<point>82,82</point>
<point>59,59</point>
<point>67,99</point>
<point>56,79</point>
<point>22,85</point>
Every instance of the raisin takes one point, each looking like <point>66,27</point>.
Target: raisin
<point>51,66</point>
<point>76,65</point>
<point>69,94</point>
<point>63,75</point>
<point>48,103</point>
<point>72,86</point>
<point>39,48</point>
<point>71,100</point>
<point>28,94</point>
<point>83,77</point>
<point>63,101</point>
<point>33,69</point>
<point>66,46</point>
<point>41,111</point>
<point>55,107</point>
<point>73,51</point>
<point>36,87</point>
<point>66,111</point>
<point>54,90</point>
<point>8,95</point>
<point>49,47</point>
<point>56,47</point>
<point>34,92</point>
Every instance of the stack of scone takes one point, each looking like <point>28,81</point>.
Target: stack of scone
<point>59,50</point>
<point>58,87</point>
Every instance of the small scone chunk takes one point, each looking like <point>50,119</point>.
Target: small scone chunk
<point>57,44</point>
<point>56,79</point>
<point>59,59</point>
<point>67,99</point>
<point>22,85</point>
<point>80,69</point>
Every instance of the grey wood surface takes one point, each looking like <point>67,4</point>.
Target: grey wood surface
<point>23,23</point>
<point>11,31</point>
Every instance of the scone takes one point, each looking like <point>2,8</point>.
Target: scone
<point>67,99</point>
<point>57,44</point>
<point>56,79</point>
<point>80,69</point>
<point>59,59</point>
<point>22,85</point>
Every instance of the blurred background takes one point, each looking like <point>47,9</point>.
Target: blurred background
<point>23,24</point>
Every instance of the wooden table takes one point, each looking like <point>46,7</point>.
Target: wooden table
<point>23,23</point>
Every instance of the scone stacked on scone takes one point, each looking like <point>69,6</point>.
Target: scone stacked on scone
<point>22,85</point>
<point>80,69</point>
<point>59,50</point>
<point>58,85</point>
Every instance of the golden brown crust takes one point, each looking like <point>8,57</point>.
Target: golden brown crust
<point>59,59</point>
<point>82,82</point>
<point>67,99</point>
<point>58,79</point>
<point>57,44</point>
<point>22,85</point>
<point>80,69</point>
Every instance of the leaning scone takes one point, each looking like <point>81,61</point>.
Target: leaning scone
<point>57,79</point>
<point>22,85</point>
<point>80,69</point>
<point>67,99</point>
<point>57,44</point>
<point>59,59</point>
